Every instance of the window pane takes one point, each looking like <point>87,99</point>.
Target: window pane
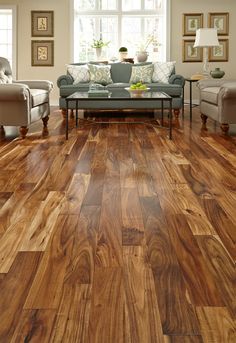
<point>84,5</point>
<point>130,5</point>
<point>89,28</point>
<point>107,4</point>
<point>153,4</point>
<point>6,33</point>
<point>131,34</point>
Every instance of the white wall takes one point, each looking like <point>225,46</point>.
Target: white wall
<point>63,34</point>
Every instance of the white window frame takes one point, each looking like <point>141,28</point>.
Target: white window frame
<point>119,13</point>
<point>14,23</point>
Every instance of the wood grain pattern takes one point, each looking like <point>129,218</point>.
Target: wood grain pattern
<point>141,311</point>
<point>177,315</point>
<point>14,289</point>
<point>216,324</point>
<point>118,234</point>
<point>107,303</point>
<point>201,286</point>
<point>34,326</point>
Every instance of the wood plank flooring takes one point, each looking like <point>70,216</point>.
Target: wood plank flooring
<point>118,235</point>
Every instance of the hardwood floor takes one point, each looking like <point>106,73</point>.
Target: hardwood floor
<point>118,235</point>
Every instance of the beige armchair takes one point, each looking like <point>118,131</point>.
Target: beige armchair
<point>218,101</point>
<point>22,102</point>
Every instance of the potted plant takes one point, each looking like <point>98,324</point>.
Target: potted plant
<point>98,44</point>
<point>142,54</point>
<point>123,53</point>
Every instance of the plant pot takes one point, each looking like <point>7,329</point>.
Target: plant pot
<point>217,73</point>
<point>98,52</point>
<point>123,55</point>
<point>142,56</point>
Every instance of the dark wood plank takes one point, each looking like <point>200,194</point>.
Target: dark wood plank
<point>14,289</point>
<point>107,306</point>
<point>222,225</point>
<point>177,313</point>
<point>34,326</point>
<point>46,290</point>
<point>201,285</point>
<point>222,268</point>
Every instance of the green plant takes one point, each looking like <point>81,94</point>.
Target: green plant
<point>123,49</point>
<point>99,43</point>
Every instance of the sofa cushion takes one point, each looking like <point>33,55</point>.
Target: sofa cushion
<point>67,90</point>
<point>100,74</point>
<point>141,73</point>
<point>121,72</point>
<point>162,71</point>
<point>210,94</point>
<point>4,78</point>
<point>118,85</point>
<point>80,73</point>
<point>171,89</point>
<point>38,96</point>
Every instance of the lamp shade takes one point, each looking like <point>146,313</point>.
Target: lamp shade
<point>206,37</point>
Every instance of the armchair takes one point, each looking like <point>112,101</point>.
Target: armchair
<point>22,102</point>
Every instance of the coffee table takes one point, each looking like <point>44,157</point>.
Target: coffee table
<point>119,99</point>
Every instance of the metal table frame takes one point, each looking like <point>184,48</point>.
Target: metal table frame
<point>78,99</point>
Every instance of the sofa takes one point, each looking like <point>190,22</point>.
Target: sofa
<point>121,77</point>
<point>218,102</point>
<point>22,102</point>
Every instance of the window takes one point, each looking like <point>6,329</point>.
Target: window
<point>7,34</point>
<point>126,23</point>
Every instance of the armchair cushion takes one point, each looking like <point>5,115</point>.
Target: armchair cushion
<point>5,78</point>
<point>39,96</point>
<point>210,94</point>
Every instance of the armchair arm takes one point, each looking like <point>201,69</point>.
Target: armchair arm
<point>209,83</point>
<point>177,80</point>
<point>37,84</point>
<point>227,90</point>
<point>14,92</point>
<point>64,80</point>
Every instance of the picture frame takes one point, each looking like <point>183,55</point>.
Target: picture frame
<point>42,52</point>
<point>221,53</point>
<point>191,54</point>
<point>219,21</point>
<point>192,22</point>
<point>42,23</point>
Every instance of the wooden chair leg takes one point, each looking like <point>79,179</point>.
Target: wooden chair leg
<point>204,120</point>
<point>176,112</point>
<point>224,128</point>
<point>2,131</point>
<point>63,112</point>
<point>45,125</point>
<point>23,131</point>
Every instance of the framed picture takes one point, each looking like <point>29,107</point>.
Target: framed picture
<point>192,22</point>
<point>42,23</point>
<point>220,53</point>
<point>191,54</point>
<point>219,21</point>
<point>42,53</point>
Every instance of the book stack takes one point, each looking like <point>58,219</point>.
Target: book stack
<point>98,93</point>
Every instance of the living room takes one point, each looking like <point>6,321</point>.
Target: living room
<point>117,233</point>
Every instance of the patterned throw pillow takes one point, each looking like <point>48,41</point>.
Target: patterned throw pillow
<point>100,74</point>
<point>80,74</point>
<point>4,78</point>
<point>162,71</point>
<point>141,73</point>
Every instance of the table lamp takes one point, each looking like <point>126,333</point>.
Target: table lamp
<point>206,38</point>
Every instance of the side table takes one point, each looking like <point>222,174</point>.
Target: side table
<point>191,81</point>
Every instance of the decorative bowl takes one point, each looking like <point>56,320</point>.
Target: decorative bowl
<point>137,92</point>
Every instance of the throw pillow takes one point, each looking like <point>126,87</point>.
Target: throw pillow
<point>162,71</point>
<point>141,73</point>
<point>100,74</point>
<point>4,78</point>
<point>80,74</point>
